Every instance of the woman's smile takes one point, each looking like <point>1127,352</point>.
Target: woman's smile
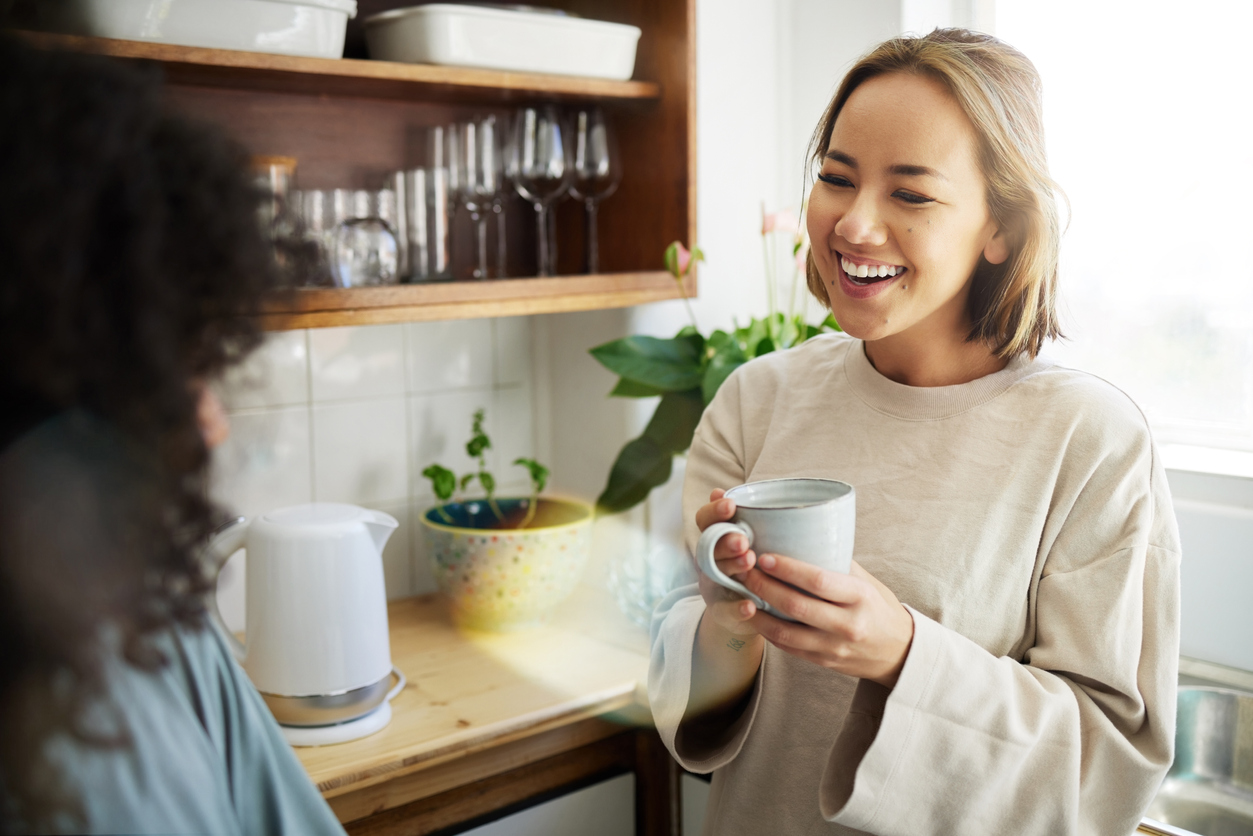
<point>862,278</point>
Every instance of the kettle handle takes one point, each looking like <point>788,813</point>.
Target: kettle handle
<point>227,540</point>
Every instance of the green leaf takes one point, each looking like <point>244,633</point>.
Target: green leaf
<point>675,420</point>
<point>669,365</point>
<point>831,324</point>
<point>466,480</point>
<point>539,473</point>
<point>727,357</point>
<point>476,445</point>
<point>488,481</point>
<point>443,481</point>
<point>764,346</point>
<point>631,389</point>
<point>641,466</point>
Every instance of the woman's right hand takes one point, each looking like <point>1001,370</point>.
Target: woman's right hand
<point>728,610</point>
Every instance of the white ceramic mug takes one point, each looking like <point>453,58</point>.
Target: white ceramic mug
<point>807,519</point>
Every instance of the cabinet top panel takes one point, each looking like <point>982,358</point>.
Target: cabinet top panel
<point>346,76</point>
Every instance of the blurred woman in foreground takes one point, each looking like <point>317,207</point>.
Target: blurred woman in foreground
<point>131,254</point>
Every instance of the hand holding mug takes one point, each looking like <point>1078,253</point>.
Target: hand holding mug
<point>734,558</point>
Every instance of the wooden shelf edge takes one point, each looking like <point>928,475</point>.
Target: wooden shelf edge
<point>345,76</point>
<point>293,310</point>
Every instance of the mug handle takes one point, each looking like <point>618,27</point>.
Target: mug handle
<point>705,559</point>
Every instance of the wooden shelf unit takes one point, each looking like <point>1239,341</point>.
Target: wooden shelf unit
<point>350,121</point>
<point>325,307</point>
<point>347,76</point>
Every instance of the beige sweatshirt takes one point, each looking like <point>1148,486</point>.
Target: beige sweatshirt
<point>1025,520</point>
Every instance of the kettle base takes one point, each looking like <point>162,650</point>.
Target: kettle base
<point>356,729</point>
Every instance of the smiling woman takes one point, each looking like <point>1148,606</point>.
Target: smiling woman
<point>1001,658</point>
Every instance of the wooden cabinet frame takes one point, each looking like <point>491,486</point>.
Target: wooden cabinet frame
<point>350,121</point>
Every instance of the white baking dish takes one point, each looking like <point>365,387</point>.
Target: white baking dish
<point>292,27</point>
<point>503,39</point>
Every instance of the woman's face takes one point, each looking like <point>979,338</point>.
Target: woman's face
<point>898,218</point>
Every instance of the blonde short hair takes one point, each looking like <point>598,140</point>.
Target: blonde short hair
<point>1013,305</point>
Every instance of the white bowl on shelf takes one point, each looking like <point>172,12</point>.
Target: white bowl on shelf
<point>518,39</point>
<point>313,28</point>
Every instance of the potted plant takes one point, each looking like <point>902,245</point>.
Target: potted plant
<point>687,369</point>
<point>503,562</point>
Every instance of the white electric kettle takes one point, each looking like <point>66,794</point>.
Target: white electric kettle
<point>316,645</point>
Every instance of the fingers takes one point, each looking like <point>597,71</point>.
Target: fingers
<point>717,510</point>
<point>835,587</point>
<point>728,610</point>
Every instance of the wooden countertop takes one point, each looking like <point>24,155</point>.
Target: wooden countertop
<point>470,693</point>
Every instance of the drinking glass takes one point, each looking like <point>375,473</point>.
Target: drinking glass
<point>365,250</point>
<point>596,171</point>
<point>540,170</point>
<point>475,176</point>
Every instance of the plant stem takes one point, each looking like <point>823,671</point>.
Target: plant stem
<point>530,511</point>
<point>439,509</point>
<point>687,303</point>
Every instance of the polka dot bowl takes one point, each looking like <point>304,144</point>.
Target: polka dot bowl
<point>497,576</point>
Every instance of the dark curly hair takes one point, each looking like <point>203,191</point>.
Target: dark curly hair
<point>130,259</point>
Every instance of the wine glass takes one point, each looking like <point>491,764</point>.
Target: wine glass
<point>540,170</point>
<point>596,171</point>
<point>475,174</point>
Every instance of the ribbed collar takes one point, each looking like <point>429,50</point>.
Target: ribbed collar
<point>930,403</point>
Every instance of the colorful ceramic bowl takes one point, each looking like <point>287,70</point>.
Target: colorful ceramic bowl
<point>499,577</point>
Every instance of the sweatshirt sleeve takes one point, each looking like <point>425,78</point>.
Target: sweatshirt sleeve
<point>714,461</point>
<point>1075,736</point>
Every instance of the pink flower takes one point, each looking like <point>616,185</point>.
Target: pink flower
<point>679,259</point>
<point>782,221</point>
<point>801,252</point>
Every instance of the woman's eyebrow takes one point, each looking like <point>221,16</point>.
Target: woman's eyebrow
<point>902,169</point>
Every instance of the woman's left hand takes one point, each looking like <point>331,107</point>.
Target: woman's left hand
<point>854,624</point>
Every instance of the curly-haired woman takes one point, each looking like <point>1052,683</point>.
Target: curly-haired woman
<point>1002,658</point>
<point>130,252</point>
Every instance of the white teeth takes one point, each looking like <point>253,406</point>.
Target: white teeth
<point>863,271</point>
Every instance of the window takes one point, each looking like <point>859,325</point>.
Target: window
<point>1148,110</point>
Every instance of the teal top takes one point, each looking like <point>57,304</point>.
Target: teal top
<point>206,755</point>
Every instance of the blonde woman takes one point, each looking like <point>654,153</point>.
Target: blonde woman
<point>1002,658</point>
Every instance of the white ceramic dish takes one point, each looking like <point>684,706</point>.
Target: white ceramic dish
<point>503,39</point>
<point>313,28</point>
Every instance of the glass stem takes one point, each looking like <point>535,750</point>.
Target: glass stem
<point>542,240</point>
<point>499,210</point>
<point>552,240</point>
<point>593,245</point>
<point>480,272</point>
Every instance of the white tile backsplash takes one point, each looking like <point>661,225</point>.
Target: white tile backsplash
<point>513,350</point>
<point>357,362</point>
<point>276,374</point>
<point>265,463</point>
<point>355,414</point>
<point>513,435</point>
<point>359,451</point>
<point>439,427</point>
<point>455,354</point>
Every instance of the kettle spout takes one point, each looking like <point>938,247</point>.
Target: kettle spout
<point>380,526</point>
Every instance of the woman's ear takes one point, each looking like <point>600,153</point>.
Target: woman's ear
<point>997,248</point>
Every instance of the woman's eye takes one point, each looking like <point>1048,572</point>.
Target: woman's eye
<point>910,197</point>
<point>835,180</point>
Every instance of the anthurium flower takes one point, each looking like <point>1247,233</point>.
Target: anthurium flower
<point>679,259</point>
<point>781,221</point>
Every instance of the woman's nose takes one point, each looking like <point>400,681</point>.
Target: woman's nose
<point>861,224</point>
